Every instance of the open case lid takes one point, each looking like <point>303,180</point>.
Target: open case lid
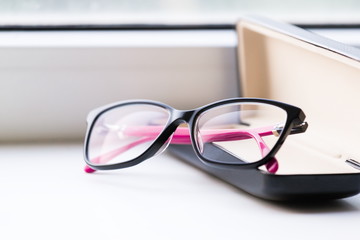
<point>285,63</point>
<point>321,76</point>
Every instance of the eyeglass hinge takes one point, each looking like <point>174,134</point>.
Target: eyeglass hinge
<point>299,128</point>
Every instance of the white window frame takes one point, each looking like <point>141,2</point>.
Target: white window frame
<point>51,79</point>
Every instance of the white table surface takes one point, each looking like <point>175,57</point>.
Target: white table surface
<point>46,195</point>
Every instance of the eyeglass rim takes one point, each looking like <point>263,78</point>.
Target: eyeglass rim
<point>294,116</point>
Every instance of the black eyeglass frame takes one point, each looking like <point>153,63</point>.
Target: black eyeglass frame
<point>294,124</point>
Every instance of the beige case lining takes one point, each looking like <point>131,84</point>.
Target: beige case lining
<point>323,83</point>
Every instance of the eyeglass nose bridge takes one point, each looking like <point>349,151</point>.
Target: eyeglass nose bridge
<point>177,117</point>
<point>183,116</point>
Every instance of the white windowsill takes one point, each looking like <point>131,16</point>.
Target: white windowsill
<point>46,195</point>
<point>108,39</point>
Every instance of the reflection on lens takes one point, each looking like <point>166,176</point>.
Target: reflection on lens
<point>239,133</point>
<point>124,133</point>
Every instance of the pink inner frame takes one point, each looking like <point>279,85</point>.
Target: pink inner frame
<point>182,136</point>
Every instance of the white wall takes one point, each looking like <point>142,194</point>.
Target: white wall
<point>50,80</point>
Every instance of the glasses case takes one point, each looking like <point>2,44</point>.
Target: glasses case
<point>286,63</point>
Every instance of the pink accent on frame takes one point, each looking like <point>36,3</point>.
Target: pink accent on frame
<point>182,136</point>
<point>88,169</point>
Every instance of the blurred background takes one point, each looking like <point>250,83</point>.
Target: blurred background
<point>172,11</point>
<point>60,59</point>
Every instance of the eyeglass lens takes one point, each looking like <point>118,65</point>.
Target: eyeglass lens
<point>124,133</point>
<point>239,133</point>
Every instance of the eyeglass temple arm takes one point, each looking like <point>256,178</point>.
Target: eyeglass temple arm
<point>182,136</point>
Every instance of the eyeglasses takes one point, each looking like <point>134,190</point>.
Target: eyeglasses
<point>232,133</point>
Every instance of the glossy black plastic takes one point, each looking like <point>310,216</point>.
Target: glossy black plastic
<point>294,187</point>
<point>295,117</point>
